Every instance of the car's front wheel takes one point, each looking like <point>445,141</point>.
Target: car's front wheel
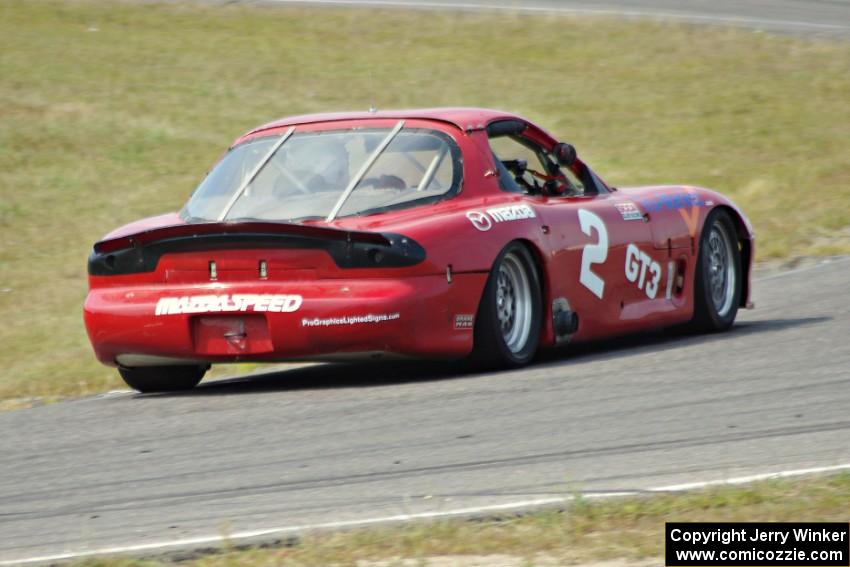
<point>507,326</point>
<point>162,378</point>
<point>717,289</point>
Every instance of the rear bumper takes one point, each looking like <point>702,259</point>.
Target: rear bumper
<point>273,321</point>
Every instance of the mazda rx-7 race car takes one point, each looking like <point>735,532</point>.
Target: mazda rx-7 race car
<point>423,233</point>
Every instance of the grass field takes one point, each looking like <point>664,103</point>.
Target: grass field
<point>111,111</point>
<point>629,529</point>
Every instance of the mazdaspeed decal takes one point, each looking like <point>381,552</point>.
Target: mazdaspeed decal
<point>228,303</point>
<point>483,220</point>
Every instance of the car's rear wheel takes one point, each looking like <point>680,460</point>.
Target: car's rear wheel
<point>717,290</point>
<point>163,378</point>
<point>507,326</point>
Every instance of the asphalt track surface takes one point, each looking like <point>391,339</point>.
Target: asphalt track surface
<point>824,18</point>
<point>339,443</point>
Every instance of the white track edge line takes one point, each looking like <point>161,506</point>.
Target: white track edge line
<point>571,10</point>
<point>750,478</point>
<point>248,534</point>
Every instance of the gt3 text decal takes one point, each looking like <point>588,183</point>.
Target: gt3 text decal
<point>629,211</point>
<point>595,253</point>
<point>228,303</point>
<point>483,221</point>
<point>349,320</point>
<point>638,266</point>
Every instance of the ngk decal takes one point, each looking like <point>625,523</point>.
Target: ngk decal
<point>638,263</point>
<point>228,303</point>
<point>629,211</point>
<point>483,220</point>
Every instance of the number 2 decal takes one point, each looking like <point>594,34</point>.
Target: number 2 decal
<point>593,253</point>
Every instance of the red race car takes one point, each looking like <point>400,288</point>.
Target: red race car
<point>427,233</point>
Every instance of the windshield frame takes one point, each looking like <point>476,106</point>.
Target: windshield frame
<point>454,153</point>
<point>364,169</point>
<point>253,175</point>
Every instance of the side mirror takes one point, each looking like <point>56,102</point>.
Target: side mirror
<point>564,153</point>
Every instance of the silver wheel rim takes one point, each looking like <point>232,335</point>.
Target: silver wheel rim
<point>721,270</point>
<point>513,302</point>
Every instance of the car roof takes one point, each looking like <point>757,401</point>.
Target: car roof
<point>461,117</point>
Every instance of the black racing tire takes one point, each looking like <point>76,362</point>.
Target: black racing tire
<point>147,379</point>
<point>508,322</point>
<point>718,280</point>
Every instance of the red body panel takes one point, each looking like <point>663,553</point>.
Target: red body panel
<point>122,320</point>
<point>308,307</point>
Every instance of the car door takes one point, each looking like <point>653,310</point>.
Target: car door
<point>601,263</point>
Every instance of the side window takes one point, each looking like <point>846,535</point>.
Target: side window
<point>593,180</point>
<point>576,187</point>
<point>506,178</point>
<point>518,161</point>
<point>525,167</point>
<point>510,148</point>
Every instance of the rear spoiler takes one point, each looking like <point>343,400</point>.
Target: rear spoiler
<point>140,252</point>
<point>146,237</point>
